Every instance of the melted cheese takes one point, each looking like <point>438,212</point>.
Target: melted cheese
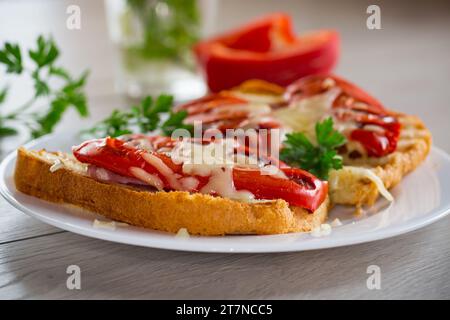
<point>364,173</point>
<point>141,143</point>
<point>273,171</point>
<point>253,109</point>
<point>189,183</point>
<point>374,128</point>
<point>345,127</point>
<point>61,160</point>
<point>102,174</point>
<point>170,176</point>
<point>413,133</point>
<point>221,182</point>
<point>189,153</point>
<point>56,165</point>
<point>303,115</point>
<point>405,144</point>
<point>151,179</point>
<point>214,160</point>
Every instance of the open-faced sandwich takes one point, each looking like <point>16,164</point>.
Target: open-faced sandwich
<point>155,182</point>
<point>380,147</point>
<point>339,145</point>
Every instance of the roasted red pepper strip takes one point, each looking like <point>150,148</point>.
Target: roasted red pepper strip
<point>218,111</point>
<point>158,142</point>
<point>111,154</point>
<point>210,102</point>
<point>353,104</point>
<point>300,189</point>
<point>266,49</point>
<point>312,85</point>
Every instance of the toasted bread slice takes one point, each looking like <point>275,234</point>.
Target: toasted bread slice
<point>57,177</point>
<point>354,187</point>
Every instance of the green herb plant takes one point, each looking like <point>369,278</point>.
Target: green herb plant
<point>318,159</point>
<point>45,108</point>
<point>170,27</point>
<point>150,115</point>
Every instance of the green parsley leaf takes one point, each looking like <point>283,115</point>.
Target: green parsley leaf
<point>148,113</point>
<point>163,103</point>
<point>176,121</point>
<point>327,136</point>
<point>73,95</point>
<point>11,57</point>
<point>318,159</point>
<point>115,125</point>
<point>45,53</point>
<point>59,72</point>
<point>70,93</point>
<point>41,87</point>
<point>7,131</point>
<point>74,85</point>
<point>3,94</point>
<point>48,121</point>
<point>144,118</point>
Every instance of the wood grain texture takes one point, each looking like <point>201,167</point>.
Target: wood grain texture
<point>15,225</point>
<point>405,65</point>
<point>414,265</point>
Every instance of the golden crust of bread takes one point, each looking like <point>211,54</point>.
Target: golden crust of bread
<point>354,190</point>
<point>167,211</point>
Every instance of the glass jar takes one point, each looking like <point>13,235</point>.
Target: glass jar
<point>153,46</point>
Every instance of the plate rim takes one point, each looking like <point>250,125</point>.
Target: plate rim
<point>186,245</point>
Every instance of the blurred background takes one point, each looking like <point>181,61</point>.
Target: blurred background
<point>406,64</point>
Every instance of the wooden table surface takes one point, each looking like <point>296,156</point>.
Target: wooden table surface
<point>405,64</point>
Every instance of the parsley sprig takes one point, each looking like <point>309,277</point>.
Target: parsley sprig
<point>39,118</point>
<point>145,117</point>
<point>318,159</point>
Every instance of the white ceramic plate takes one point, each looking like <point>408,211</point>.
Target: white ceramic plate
<point>422,197</point>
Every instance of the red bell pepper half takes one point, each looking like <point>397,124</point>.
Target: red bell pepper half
<point>266,49</point>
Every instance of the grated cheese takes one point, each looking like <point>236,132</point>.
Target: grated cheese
<point>110,225</point>
<point>323,230</point>
<point>56,165</point>
<point>183,233</point>
<point>303,115</point>
<point>65,162</point>
<point>336,223</point>
<point>369,174</point>
<point>151,179</point>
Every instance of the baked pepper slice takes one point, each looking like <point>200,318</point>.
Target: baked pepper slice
<point>353,105</point>
<point>299,188</point>
<point>266,49</point>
